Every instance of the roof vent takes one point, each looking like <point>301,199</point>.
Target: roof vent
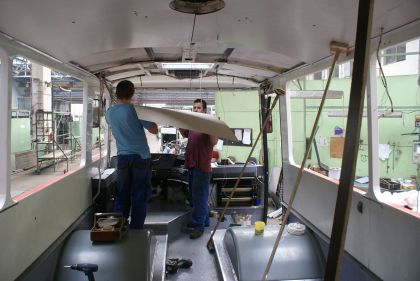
<point>183,74</point>
<point>197,7</point>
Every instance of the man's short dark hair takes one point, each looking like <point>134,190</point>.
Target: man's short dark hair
<point>125,90</point>
<point>203,103</point>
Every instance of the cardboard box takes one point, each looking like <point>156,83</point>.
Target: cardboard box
<point>108,227</point>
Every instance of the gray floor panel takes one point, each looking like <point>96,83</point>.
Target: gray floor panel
<point>160,258</point>
<point>204,266</point>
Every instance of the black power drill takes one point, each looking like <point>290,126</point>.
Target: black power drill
<point>174,264</point>
<point>87,268</point>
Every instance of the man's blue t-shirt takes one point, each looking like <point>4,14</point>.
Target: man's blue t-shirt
<point>128,130</point>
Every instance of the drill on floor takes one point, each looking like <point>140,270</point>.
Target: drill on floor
<point>174,264</point>
<point>87,268</point>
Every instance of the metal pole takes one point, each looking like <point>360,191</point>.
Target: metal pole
<point>351,144</point>
<point>263,108</point>
<point>210,244</point>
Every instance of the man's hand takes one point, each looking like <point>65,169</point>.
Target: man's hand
<point>153,128</point>
<point>183,132</point>
<point>213,140</point>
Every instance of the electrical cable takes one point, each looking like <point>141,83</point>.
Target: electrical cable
<point>382,75</point>
<point>210,245</point>
<point>192,33</point>
<point>101,94</point>
<point>192,44</point>
<point>201,78</point>
<point>217,77</point>
<point>112,100</point>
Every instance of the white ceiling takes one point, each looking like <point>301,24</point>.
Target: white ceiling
<point>250,39</point>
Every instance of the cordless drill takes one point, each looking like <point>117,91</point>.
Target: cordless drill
<point>174,264</point>
<point>87,268</point>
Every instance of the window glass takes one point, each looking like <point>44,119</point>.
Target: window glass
<point>45,125</point>
<point>327,148</point>
<point>398,98</point>
<point>395,54</point>
<point>67,102</point>
<point>317,75</point>
<point>98,127</point>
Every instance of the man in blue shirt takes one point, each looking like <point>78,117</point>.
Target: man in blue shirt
<point>133,156</point>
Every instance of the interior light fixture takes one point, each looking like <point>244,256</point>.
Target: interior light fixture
<point>313,94</point>
<point>198,7</point>
<point>186,65</point>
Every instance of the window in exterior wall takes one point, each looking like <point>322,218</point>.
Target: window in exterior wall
<point>346,69</point>
<point>45,125</point>
<point>394,54</point>
<point>317,75</point>
<point>336,72</point>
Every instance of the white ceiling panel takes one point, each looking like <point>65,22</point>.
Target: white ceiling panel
<point>122,75</point>
<point>271,34</point>
<point>270,59</point>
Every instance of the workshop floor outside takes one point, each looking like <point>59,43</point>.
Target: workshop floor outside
<point>23,181</point>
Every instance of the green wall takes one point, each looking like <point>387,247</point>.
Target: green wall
<point>240,109</point>
<point>20,134</point>
<point>404,92</point>
<point>75,130</point>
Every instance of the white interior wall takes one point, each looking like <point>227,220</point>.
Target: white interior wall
<point>384,238</point>
<point>30,226</point>
<point>380,238</point>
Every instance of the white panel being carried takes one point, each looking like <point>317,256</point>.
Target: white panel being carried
<point>200,122</point>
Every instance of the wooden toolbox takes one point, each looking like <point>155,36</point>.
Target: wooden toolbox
<point>108,227</point>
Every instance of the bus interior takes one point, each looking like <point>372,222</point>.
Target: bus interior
<point>323,97</point>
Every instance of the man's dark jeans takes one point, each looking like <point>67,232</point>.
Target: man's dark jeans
<point>133,188</point>
<point>199,184</point>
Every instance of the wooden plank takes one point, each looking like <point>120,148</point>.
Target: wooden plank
<point>199,122</point>
<point>58,154</point>
<point>25,160</point>
<point>351,144</point>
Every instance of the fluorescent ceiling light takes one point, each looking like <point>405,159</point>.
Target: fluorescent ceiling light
<point>158,105</point>
<point>186,65</point>
<point>308,94</point>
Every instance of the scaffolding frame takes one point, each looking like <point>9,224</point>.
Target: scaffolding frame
<point>49,145</point>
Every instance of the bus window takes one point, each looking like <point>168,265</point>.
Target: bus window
<point>398,101</point>
<point>46,112</point>
<point>326,149</point>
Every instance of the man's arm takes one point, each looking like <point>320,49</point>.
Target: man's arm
<point>213,140</point>
<point>184,132</point>
<point>150,126</point>
<point>153,128</point>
